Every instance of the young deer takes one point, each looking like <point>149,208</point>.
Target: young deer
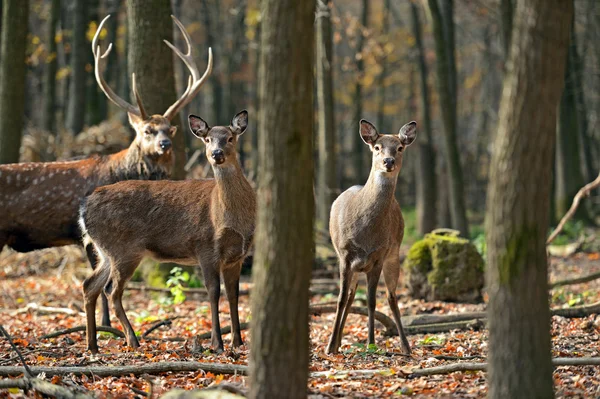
<point>209,223</point>
<point>39,202</point>
<point>367,228</point>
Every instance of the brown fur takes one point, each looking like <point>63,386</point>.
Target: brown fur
<point>367,228</point>
<point>205,222</point>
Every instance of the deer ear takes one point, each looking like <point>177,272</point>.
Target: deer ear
<point>198,126</point>
<point>368,133</point>
<point>173,130</point>
<point>239,123</point>
<point>408,133</point>
<point>134,120</point>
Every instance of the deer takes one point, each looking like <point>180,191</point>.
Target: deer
<point>208,223</point>
<point>367,228</point>
<point>39,202</point>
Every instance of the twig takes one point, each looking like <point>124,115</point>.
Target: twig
<point>583,192</point>
<point>166,322</point>
<point>111,330</point>
<point>577,280</point>
<point>28,372</point>
<point>116,371</point>
<point>388,323</point>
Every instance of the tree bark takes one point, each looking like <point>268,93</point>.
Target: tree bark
<point>15,15</point>
<point>443,32</point>
<point>519,202</point>
<point>327,179</point>
<point>425,170</point>
<point>284,235</point>
<point>149,23</point>
<point>211,24</point>
<point>79,56</point>
<point>49,117</point>
<point>506,11</point>
<point>381,85</point>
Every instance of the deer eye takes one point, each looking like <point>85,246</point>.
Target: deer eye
<point>207,140</point>
<point>377,148</point>
<point>400,149</point>
<point>230,140</point>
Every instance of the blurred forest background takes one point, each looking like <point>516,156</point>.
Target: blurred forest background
<point>439,63</point>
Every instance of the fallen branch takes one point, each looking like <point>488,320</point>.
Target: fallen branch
<point>117,371</point>
<point>448,368</point>
<point>42,386</point>
<point>577,280</point>
<point>387,322</point>
<point>46,310</point>
<point>111,330</point>
<point>14,347</point>
<point>166,322</point>
<point>419,320</point>
<point>578,311</point>
<point>474,324</point>
<point>583,192</point>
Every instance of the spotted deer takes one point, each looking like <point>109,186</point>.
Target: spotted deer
<point>367,228</point>
<point>207,222</point>
<point>39,202</point>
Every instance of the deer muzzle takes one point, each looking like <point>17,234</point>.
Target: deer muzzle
<point>389,163</point>
<point>218,156</point>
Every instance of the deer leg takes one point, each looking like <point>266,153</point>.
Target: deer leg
<point>213,286</point>
<point>93,259</point>
<point>92,287</point>
<point>231,275</point>
<point>391,274</point>
<point>353,287</point>
<point>120,274</point>
<point>346,277</point>
<point>372,281</point>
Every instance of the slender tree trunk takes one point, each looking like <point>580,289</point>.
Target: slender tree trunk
<point>212,25</point>
<point>358,154</point>
<point>149,23</point>
<point>327,179</point>
<point>446,77</point>
<point>506,10</point>
<point>381,86</point>
<point>78,58</point>
<point>518,203</point>
<point>92,91</point>
<point>15,15</point>
<point>113,64</point>
<point>49,116</point>
<point>284,234</point>
<point>425,170</point>
<point>569,176</point>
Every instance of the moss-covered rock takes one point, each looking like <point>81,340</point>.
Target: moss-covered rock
<point>443,266</point>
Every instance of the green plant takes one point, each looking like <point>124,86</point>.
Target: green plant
<point>174,283</point>
<point>572,230</point>
<point>480,244</point>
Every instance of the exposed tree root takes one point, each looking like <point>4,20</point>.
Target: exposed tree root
<point>117,371</point>
<point>577,280</point>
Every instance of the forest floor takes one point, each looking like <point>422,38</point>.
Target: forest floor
<point>53,278</point>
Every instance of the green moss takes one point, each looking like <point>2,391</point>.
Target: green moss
<point>419,257</point>
<point>509,267</point>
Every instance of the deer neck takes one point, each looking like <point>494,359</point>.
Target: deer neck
<point>378,192</point>
<point>232,188</point>
<point>132,164</point>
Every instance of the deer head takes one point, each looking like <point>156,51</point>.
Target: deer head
<point>387,149</point>
<point>153,132</point>
<point>220,141</point>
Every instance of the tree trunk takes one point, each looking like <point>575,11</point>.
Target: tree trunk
<point>49,117</point>
<point>15,15</point>
<point>78,58</point>
<point>284,235</point>
<point>446,77</point>
<point>381,84</point>
<point>92,91</point>
<point>519,200</point>
<point>149,23</point>
<point>113,63</point>
<point>327,179</point>
<point>358,153</point>
<point>506,10</point>
<point>569,176</point>
<point>425,170</point>
<point>212,25</point>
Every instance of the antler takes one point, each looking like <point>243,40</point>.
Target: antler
<point>195,82</point>
<point>112,96</point>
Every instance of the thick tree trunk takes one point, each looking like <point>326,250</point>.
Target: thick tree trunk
<point>49,115</point>
<point>446,77</point>
<point>327,179</point>
<point>79,55</point>
<point>425,170</point>
<point>15,15</point>
<point>519,202</point>
<point>358,153</point>
<point>569,176</point>
<point>284,235</point>
<point>149,23</point>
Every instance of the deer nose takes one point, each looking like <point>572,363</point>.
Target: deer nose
<point>165,144</point>
<point>218,156</point>
<point>389,163</point>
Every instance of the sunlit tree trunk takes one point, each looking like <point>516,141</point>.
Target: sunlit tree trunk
<point>284,235</point>
<point>443,32</point>
<point>79,55</point>
<point>327,179</point>
<point>518,206</point>
<point>12,77</point>
<point>425,170</point>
